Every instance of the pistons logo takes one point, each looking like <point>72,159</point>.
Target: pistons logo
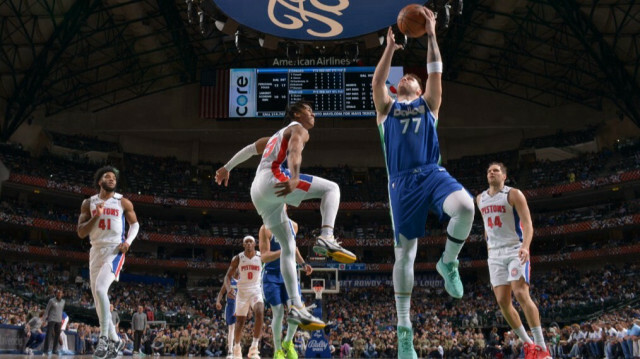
<point>514,272</point>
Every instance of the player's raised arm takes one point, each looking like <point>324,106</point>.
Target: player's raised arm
<point>433,90</point>
<point>520,204</point>
<point>86,221</point>
<point>255,148</point>
<point>381,98</point>
<point>232,269</point>
<point>264,243</point>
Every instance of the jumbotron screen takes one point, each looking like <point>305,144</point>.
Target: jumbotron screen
<point>333,91</point>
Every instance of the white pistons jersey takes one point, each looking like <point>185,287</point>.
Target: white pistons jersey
<point>110,227</point>
<point>274,156</point>
<point>501,221</point>
<point>250,271</point>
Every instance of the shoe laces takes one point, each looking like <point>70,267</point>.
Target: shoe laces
<point>102,344</point>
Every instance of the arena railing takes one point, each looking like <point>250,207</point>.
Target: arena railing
<point>210,204</point>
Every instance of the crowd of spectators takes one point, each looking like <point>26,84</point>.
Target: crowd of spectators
<point>171,178</point>
<point>363,318</point>
<point>560,139</point>
<point>82,143</point>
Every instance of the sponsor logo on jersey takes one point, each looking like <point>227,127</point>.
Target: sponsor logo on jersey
<point>410,112</point>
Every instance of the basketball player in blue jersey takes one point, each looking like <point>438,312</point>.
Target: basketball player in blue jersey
<point>275,293</point>
<point>102,219</point>
<point>229,311</point>
<point>509,231</point>
<point>417,183</point>
<point>278,181</point>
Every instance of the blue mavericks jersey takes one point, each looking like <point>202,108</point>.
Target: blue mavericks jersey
<point>271,272</point>
<point>409,136</point>
<point>234,286</point>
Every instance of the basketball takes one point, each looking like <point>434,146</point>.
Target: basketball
<point>411,20</point>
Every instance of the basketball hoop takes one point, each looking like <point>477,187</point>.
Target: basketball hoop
<point>318,289</point>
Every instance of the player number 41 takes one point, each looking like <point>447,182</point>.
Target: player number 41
<point>406,122</point>
<point>496,222</point>
<point>104,224</point>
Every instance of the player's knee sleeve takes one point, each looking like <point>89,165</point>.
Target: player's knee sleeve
<point>459,206</point>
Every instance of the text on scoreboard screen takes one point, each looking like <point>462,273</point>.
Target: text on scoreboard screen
<point>333,91</point>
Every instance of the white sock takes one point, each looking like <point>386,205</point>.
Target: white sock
<point>230,337</point>
<point>459,207</point>
<point>451,249</point>
<point>405,253</point>
<point>538,338</point>
<point>276,325</point>
<point>522,334</point>
<point>326,232</point>
<point>291,331</point>
<point>284,235</point>
<point>255,341</point>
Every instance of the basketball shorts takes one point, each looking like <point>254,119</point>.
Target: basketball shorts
<point>271,207</point>
<point>229,312</point>
<point>246,299</point>
<point>111,255</point>
<point>505,266</point>
<point>413,193</point>
<point>276,293</point>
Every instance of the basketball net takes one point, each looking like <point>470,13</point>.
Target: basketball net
<point>318,289</point>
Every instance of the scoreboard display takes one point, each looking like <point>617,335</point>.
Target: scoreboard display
<point>333,91</point>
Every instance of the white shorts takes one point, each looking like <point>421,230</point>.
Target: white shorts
<point>271,207</point>
<point>98,256</point>
<point>247,298</point>
<point>505,266</point>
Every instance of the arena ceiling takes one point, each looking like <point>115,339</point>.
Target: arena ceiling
<point>59,54</point>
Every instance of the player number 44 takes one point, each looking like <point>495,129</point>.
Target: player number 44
<point>406,121</point>
<point>496,222</point>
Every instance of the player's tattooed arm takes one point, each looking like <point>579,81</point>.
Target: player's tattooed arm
<point>86,221</point>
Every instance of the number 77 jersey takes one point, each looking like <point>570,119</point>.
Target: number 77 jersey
<point>409,136</point>
<point>501,220</point>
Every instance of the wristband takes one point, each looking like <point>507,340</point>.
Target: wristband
<point>434,67</point>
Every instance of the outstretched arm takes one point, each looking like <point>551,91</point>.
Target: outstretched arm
<point>433,90</point>
<point>381,98</point>
<point>256,148</point>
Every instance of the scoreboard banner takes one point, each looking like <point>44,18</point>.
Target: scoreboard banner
<point>333,91</point>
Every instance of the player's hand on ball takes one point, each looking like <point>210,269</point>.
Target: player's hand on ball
<point>124,247</point>
<point>391,40</point>
<point>286,187</point>
<point>430,25</point>
<point>218,306</point>
<point>523,254</point>
<point>222,175</point>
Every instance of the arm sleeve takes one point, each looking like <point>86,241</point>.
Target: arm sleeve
<point>242,155</point>
<point>133,232</point>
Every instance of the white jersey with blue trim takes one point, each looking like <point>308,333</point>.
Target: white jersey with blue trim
<point>501,220</point>
<point>274,156</point>
<point>110,227</point>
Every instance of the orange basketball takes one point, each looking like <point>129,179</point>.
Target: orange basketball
<point>411,20</point>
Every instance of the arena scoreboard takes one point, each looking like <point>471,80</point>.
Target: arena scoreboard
<point>333,91</point>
